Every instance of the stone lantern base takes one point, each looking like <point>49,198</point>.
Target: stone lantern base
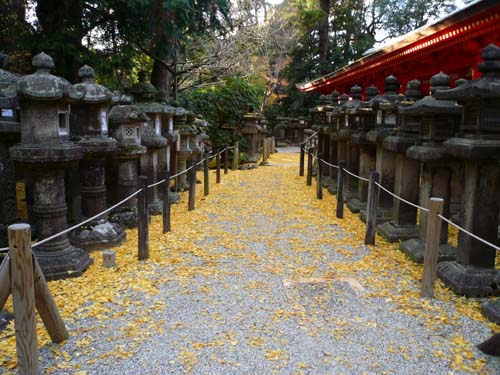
<point>127,217</point>
<point>98,235</point>
<point>355,205</point>
<point>393,232</point>
<point>71,262</point>
<point>415,249</point>
<point>469,280</point>
<point>383,214</point>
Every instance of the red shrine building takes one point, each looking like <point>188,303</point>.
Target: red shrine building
<point>452,44</point>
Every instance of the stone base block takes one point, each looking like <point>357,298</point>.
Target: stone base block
<point>355,205</point>
<point>415,250</point>
<point>383,215</point>
<point>491,310</point>
<point>72,262</point>
<point>155,208</point>
<point>393,232</point>
<point>332,188</point>
<point>98,237</point>
<point>468,280</point>
<point>125,216</point>
<point>174,198</point>
<point>326,181</point>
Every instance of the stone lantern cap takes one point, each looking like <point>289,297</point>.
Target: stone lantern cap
<point>371,93</point>
<point>94,93</point>
<point>127,114</point>
<point>488,86</point>
<point>325,99</point>
<point>352,106</point>
<point>390,95</point>
<point>143,91</point>
<point>43,86</point>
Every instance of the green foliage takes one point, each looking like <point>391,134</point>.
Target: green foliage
<point>223,106</point>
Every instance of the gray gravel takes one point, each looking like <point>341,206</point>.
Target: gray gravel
<point>255,317</point>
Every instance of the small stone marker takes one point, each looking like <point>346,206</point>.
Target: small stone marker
<point>108,258</point>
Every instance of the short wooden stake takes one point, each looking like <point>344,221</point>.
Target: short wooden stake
<point>302,154</point>
<point>143,219</point>
<point>206,179</point>
<point>340,190</point>
<point>432,246</point>
<point>371,209</point>
<point>5,287</point>
<point>309,167</point>
<point>236,155</point>
<point>319,186</point>
<point>47,307</point>
<point>166,203</point>
<point>217,167</point>
<point>23,294</point>
<point>226,159</point>
<point>192,186</point>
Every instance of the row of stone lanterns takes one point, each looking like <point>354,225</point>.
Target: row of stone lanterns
<point>445,144</point>
<point>109,139</point>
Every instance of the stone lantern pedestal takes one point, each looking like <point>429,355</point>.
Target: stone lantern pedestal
<point>165,154</point>
<point>89,129</point>
<point>478,146</point>
<point>45,154</point>
<point>125,121</point>
<point>403,224</point>
<point>184,153</point>
<point>251,133</point>
<point>145,94</point>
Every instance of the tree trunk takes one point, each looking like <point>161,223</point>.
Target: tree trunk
<point>161,78</point>
<point>323,28</point>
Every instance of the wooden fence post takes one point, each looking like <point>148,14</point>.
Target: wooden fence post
<point>23,295</point>
<point>371,209</point>
<point>432,246</point>
<point>226,159</point>
<point>309,167</point>
<point>217,167</point>
<point>192,186</point>
<point>236,156</point>
<point>143,219</point>
<point>302,154</point>
<point>166,203</point>
<point>319,182</point>
<point>206,187</point>
<point>340,190</point>
<point>5,286</point>
<point>173,167</point>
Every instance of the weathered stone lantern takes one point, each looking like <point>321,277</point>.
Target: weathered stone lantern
<point>185,152</point>
<point>89,129</point>
<point>10,134</point>
<point>333,141</point>
<point>250,132</point>
<point>45,153</point>
<point>439,120</point>
<point>478,146</point>
<point>367,151</point>
<point>125,121</point>
<point>403,224</point>
<point>385,106</point>
<point>145,95</point>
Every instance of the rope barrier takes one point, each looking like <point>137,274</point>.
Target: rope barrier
<point>469,233</point>
<point>331,165</point>
<point>402,199</point>
<point>180,173</point>
<point>156,184</point>
<point>355,175</point>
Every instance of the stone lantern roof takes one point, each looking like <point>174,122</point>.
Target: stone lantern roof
<point>43,86</point>
<point>143,91</point>
<point>390,96</point>
<point>94,92</point>
<point>352,106</point>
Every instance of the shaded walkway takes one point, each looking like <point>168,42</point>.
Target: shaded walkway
<point>261,279</point>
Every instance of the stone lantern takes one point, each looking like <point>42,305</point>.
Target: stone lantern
<point>333,141</point>
<point>403,224</point>
<point>145,95</point>
<point>323,128</point>
<point>125,121</point>
<point>438,120</point>
<point>184,153</point>
<point>10,132</point>
<point>385,105</point>
<point>167,131</point>
<point>250,132</point>
<point>367,150</point>
<point>477,145</point>
<point>45,153</point>
<point>89,129</point>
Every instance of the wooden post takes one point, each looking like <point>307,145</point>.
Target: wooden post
<point>226,159</point>
<point>5,286</point>
<point>173,167</point>
<point>23,295</point>
<point>302,154</point>
<point>166,203</point>
<point>431,246</point>
<point>192,185</point>
<point>47,307</point>
<point>371,209</point>
<point>143,220</point>
<point>206,180</point>
<point>319,186</point>
<point>217,167</point>
<point>309,167</point>
<point>236,156</point>
<point>340,190</point>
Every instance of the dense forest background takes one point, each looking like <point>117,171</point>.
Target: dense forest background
<point>221,57</point>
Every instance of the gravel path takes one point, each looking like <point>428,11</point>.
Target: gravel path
<point>262,279</point>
